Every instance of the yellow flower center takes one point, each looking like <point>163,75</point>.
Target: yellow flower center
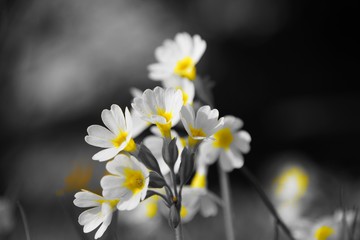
<point>186,68</point>
<point>134,180</point>
<point>292,183</point>
<point>183,212</point>
<point>323,232</point>
<point>199,181</point>
<point>152,207</point>
<point>131,146</point>
<point>197,132</point>
<point>223,138</point>
<point>182,141</point>
<point>164,114</point>
<point>112,202</point>
<point>119,139</point>
<point>184,94</point>
<point>165,129</point>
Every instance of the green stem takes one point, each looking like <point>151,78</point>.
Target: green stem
<point>267,201</point>
<point>23,216</point>
<point>225,193</point>
<point>179,232</point>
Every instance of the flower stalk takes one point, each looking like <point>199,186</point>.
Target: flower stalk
<point>179,232</point>
<point>225,193</point>
<point>267,201</point>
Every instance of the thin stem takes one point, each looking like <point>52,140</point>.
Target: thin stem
<point>266,201</point>
<point>353,226</point>
<point>179,232</point>
<point>276,236</point>
<point>225,193</point>
<point>23,217</point>
<point>160,195</point>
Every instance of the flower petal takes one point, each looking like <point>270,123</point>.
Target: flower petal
<point>86,199</point>
<point>207,153</point>
<point>98,142</point>
<point>100,132</point>
<point>106,154</point>
<point>242,141</point>
<point>103,226</point>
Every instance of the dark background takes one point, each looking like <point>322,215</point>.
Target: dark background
<point>288,69</point>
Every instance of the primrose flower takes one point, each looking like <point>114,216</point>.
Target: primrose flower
<point>196,197</point>
<point>147,210</point>
<point>116,137</point>
<point>186,86</point>
<point>291,184</point>
<point>201,126</point>
<point>155,142</point>
<point>229,142</point>
<point>332,227</point>
<point>78,178</point>
<point>160,107</point>
<point>100,212</point>
<point>177,58</point>
<point>129,181</point>
<point>139,125</point>
<point>195,200</point>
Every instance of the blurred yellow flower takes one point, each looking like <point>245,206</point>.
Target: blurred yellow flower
<point>78,178</point>
<point>291,184</point>
<point>323,232</point>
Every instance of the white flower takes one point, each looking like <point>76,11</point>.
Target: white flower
<point>147,210</point>
<point>160,107</point>
<point>139,124</point>
<point>196,200</point>
<point>201,126</point>
<point>228,145</point>
<point>291,184</point>
<point>177,58</point>
<point>196,197</point>
<point>155,143</point>
<point>332,227</point>
<point>100,212</point>
<point>116,137</point>
<point>186,86</point>
<point>129,181</point>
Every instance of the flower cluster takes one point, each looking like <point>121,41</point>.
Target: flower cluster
<point>166,170</point>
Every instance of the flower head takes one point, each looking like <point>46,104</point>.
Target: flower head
<point>116,137</point>
<point>202,125</point>
<point>228,144</point>
<point>196,197</point>
<point>160,107</point>
<point>100,212</point>
<point>78,178</point>
<point>139,124</point>
<point>129,181</point>
<point>177,58</point>
<point>291,184</point>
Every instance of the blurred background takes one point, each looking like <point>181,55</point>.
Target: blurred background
<point>288,69</point>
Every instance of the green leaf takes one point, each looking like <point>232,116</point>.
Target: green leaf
<point>186,166</point>
<point>148,159</point>
<point>156,181</point>
<point>170,152</point>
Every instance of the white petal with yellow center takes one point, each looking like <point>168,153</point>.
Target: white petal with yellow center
<point>116,138</point>
<point>99,215</point>
<point>129,181</point>
<point>177,58</point>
